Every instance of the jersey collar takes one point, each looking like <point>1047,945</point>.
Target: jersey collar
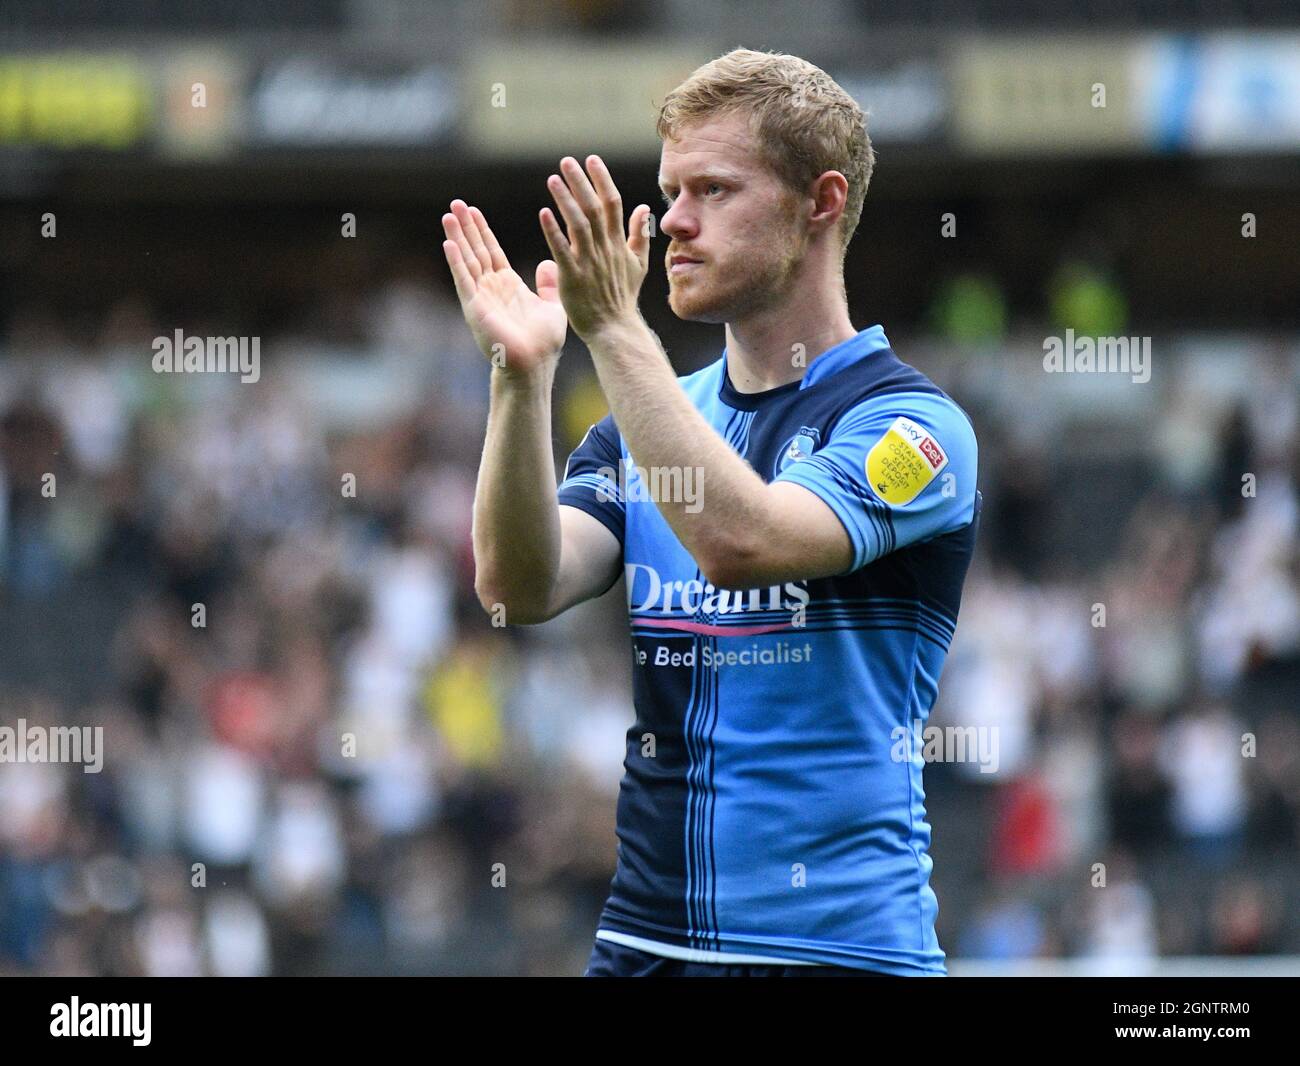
<point>830,362</point>
<point>845,354</point>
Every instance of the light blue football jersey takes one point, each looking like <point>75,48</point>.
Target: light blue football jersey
<point>772,808</point>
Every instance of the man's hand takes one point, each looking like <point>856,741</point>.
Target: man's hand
<point>600,268</point>
<point>517,329</point>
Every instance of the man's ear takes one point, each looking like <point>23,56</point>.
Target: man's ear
<point>830,195</point>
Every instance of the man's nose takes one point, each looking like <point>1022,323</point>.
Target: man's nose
<point>677,221</point>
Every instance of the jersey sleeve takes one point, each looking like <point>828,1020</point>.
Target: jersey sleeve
<point>591,480</point>
<point>896,470</point>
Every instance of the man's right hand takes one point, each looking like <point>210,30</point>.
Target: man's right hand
<point>518,329</point>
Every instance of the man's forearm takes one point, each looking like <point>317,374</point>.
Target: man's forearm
<point>516,516</point>
<point>663,429</point>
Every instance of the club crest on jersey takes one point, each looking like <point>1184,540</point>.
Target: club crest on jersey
<point>903,462</point>
<point>797,448</point>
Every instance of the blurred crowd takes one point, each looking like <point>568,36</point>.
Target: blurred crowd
<point>1138,654</point>
<point>321,756</point>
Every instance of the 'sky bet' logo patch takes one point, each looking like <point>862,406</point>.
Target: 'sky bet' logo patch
<point>903,462</point>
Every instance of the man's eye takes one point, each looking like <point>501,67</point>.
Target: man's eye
<point>711,186</point>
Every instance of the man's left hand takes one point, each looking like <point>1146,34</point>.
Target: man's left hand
<point>601,268</point>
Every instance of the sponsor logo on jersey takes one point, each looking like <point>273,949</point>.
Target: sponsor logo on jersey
<point>932,452</point>
<point>903,462</point>
<point>647,590</point>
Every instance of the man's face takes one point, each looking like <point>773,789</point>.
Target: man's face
<point>732,215</point>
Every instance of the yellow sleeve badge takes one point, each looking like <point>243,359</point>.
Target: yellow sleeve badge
<point>903,462</point>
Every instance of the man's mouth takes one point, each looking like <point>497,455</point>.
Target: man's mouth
<point>681,264</point>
